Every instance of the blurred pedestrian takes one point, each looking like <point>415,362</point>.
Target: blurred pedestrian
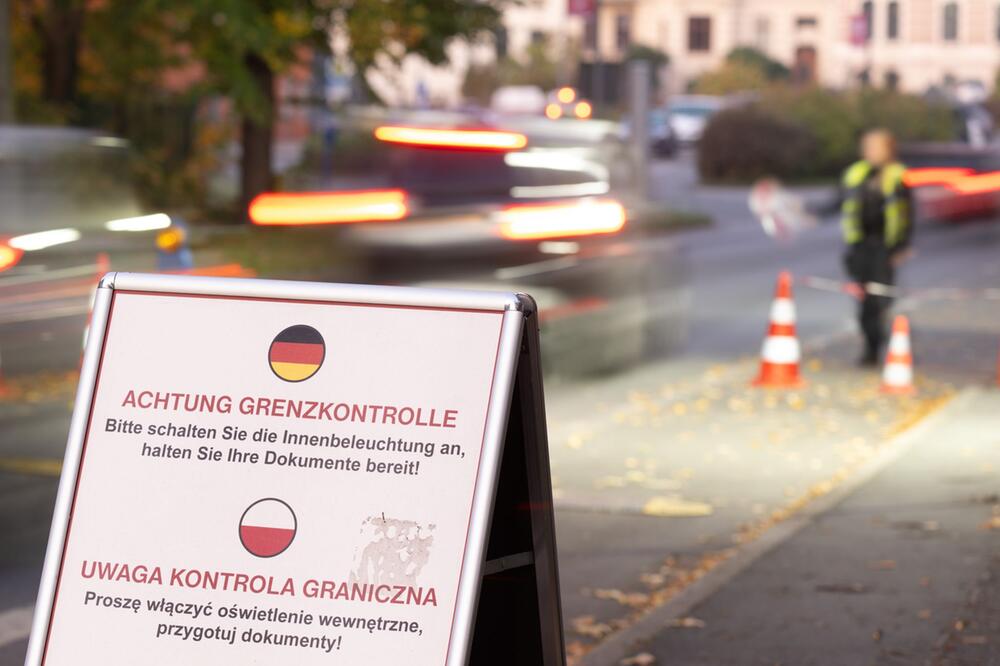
<point>876,215</point>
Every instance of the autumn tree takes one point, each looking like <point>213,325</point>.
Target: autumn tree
<point>238,47</point>
<point>245,44</point>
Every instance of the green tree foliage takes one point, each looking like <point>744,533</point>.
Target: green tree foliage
<point>114,54</point>
<point>731,77</point>
<point>745,69</point>
<point>537,68</point>
<point>396,28</point>
<point>768,66</point>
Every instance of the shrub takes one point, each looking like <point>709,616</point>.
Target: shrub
<point>731,77</point>
<point>747,143</point>
<point>833,123</point>
<point>771,68</point>
<point>830,118</point>
<point>911,118</point>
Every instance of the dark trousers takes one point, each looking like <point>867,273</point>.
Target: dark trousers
<point>871,261</point>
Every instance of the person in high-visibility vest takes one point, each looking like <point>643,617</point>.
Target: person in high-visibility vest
<point>876,216</point>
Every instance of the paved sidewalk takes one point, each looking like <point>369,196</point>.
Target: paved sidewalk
<point>903,571</point>
<point>656,491</point>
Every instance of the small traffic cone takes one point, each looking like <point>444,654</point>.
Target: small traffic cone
<point>780,356</point>
<point>897,376</point>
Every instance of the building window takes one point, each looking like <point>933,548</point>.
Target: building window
<point>868,11</point>
<point>950,22</point>
<point>500,42</point>
<point>623,31</point>
<point>892,80</point>
<point>805,22</point>
<point>590,32</point>
<point>699,33</point>
<point>892,21</point>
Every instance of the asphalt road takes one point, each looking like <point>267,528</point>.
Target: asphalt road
<point>733,267</point>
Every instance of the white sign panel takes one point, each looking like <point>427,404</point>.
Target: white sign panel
<point>273,480</point>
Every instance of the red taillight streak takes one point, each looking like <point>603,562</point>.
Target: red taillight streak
<point>461,139</point>
<point>934,176</point>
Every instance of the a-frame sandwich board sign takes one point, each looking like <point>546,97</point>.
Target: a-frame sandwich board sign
<point>281,472</point>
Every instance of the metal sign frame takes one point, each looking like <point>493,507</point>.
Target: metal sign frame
<point>514,310</point>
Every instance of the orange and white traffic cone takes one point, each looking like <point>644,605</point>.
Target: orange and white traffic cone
<point>781,354</point>
<point>897,376</point>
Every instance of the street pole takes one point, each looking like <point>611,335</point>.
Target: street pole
<point>6,66</point>
<point>597,76</point>
<point>638,87</point>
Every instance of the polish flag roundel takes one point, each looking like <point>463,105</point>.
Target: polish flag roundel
<point>267,527</point>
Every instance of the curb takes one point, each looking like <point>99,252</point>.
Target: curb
<point>629,640</point>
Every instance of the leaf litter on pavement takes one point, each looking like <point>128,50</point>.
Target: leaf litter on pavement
<point>688,437</point>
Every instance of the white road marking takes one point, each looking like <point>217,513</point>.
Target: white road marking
<point>15,625</point>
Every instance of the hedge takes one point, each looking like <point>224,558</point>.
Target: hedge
<point>808,133</point>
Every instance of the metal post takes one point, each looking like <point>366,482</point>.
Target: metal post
<point>597,75</point>
<point>6,67</point>
<point>638,91</point>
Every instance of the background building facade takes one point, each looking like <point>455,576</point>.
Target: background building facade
<point>910,44</point>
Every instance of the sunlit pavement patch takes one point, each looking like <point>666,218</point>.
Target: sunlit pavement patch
<point>31,466</point>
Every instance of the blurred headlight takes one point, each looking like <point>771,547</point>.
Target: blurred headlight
<point>9,256</point>
<point>43,239</point>
<point>139,223</point>
<point>566,95</point>
<point>584,217</point>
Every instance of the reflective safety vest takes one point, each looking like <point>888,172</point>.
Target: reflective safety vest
<point>896,215</point>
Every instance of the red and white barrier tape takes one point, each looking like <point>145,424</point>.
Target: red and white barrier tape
<point>879,289</point>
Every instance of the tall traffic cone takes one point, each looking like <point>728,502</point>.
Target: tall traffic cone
<point>780,356</point>
<point>897,377</point>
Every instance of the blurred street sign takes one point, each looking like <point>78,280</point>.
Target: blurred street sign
<point>782,214</point>
<point>287,471</point>
<point>582,7</point>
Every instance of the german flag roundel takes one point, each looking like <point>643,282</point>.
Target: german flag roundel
<point>297,353</point>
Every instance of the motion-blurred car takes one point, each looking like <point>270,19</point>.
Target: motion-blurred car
<point>689,115</point>
<point>529,205</point>
<point>518,100</point>
<point>663,141</point>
